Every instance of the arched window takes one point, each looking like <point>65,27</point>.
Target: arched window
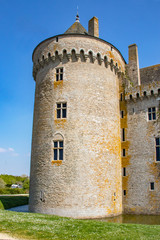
<point>58,147</point>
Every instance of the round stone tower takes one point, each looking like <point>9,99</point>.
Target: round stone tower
<point>76,145</point>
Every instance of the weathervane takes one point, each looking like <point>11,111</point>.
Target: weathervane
<point>77,16</point>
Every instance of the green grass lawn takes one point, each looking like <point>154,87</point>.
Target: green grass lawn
<point>41,226</point>
<point>7,202</point>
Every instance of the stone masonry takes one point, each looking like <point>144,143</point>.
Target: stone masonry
<point>86,76</point>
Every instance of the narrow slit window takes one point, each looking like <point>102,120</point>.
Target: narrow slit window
<point>122,114</point>
<point>123,152</point>
<point>62,110</point>
<point>152,186</point>
<point>124,172</point>
<point>151,113</point>
<point>124,192</point>
<point>121,97</point>
<point>58,150</point>
<point>123,134</point>
<point>59,74</point>
<point>158,149</point>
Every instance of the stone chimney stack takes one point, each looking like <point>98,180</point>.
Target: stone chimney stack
<point>133,65</point>
<point>93,27</point>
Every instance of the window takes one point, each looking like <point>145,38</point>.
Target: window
<point>151,113</point>
<point>152,186</point>
<point>124,192</point>
<point>62,110</point>
<point>122,114</point>
<point>42,196</point>
<point>158,149</point>
<point>124,172</point>
<point>58,150</point>
<point>123,134</point>
<point>59,74</point>
<point>123,152</point>
<point>121,97</point>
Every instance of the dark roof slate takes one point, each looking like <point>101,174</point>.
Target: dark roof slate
<point>76,28</point>
<point>150,74</point>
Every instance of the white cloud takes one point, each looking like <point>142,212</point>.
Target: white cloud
<point>10,149</point>
<point>3,150</point>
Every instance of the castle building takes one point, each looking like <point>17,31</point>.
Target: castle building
<point>96,134</point>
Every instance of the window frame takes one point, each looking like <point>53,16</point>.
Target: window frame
<point>59,74</point>
<point>151,113</point>
<point>157,146</point>
<point>61,111</point>
<point>58,149</point>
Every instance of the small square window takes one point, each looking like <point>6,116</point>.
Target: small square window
<point>152,186</point>
<point>151,113</point>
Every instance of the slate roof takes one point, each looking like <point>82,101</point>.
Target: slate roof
<point>76,28</point>
<point>150,74</point>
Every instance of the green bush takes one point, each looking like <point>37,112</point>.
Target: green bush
<point>7,202</point>
<point>1,205</point>
<point>13,191</point>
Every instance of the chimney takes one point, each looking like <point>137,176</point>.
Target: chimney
<point>93,27</point>
<point>133,65</point>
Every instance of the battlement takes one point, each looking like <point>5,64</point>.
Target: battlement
<point>143,91</point>
<point>74,56</point>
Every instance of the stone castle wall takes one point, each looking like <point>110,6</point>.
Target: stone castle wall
<point>140,160</point>
<point>88,182</point>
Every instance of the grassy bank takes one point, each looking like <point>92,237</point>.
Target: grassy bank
<point>7,202</point>
<point>39,226</point>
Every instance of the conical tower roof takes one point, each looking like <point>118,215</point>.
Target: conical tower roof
<point>76,27</point>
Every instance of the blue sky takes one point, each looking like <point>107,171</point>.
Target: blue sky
<point>25,23</point>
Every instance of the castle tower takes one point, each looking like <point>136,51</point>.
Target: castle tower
<point>76,145</point>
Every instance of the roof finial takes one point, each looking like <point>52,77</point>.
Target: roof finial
<point>77,16</point>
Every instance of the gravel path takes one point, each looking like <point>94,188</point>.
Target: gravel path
<point>4,236</point>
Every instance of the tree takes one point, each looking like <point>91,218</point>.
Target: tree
<point>2,183</point>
